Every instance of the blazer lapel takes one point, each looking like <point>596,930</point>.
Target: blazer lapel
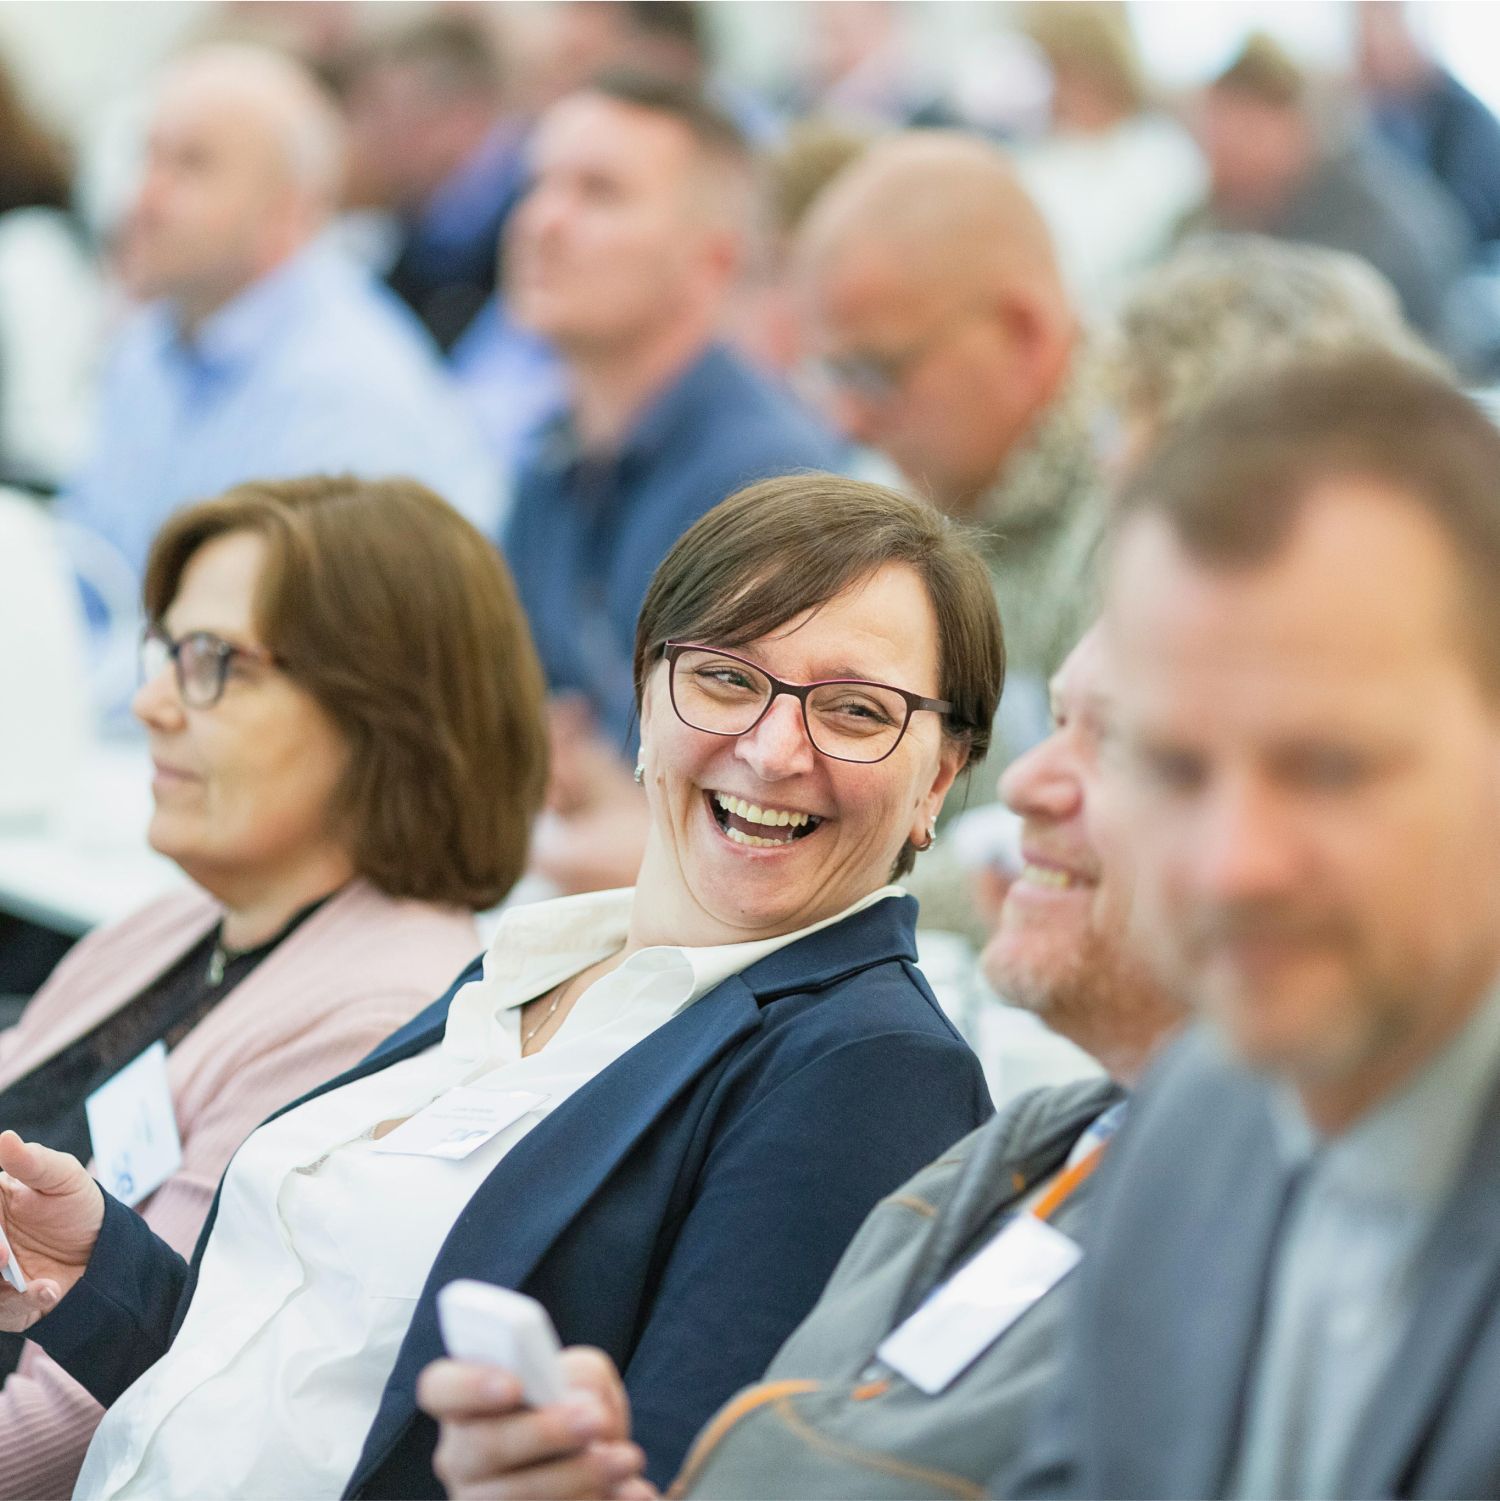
<point>590,1133</point>
<point>573,1151</point>
<point>1461,1281</point>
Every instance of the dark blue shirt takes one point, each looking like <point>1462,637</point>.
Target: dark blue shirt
<point>1445,129</point>
<point>587,531</point>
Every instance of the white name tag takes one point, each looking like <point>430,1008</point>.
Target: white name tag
<point>459,1122</point>
<point>134,1128</point>
<point>970,1311</point>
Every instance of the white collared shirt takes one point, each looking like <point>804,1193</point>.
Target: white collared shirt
<point>323,1241</point>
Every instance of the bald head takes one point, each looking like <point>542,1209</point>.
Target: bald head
<point>929,285</point>
<point>243,166</point>
<point>946,206</point>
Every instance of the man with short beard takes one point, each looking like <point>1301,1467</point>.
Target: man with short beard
<point>832,1419</point>
<point>1292,1272</point>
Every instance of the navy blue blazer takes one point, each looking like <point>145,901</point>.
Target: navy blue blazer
<point>681,1211</point>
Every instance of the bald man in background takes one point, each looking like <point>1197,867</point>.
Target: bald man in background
<point>935,306</point>
<point>261,353</point>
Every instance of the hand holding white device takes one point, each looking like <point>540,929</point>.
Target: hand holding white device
<point>487,1323</point>
<point>12,1273</point>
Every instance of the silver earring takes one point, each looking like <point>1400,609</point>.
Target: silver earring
<point>640,773</point>
<point>931,835</point>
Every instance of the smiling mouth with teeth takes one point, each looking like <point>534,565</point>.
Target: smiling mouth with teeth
<point>762,828</point>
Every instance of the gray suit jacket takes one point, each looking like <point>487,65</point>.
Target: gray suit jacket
<point>1165,1315</point>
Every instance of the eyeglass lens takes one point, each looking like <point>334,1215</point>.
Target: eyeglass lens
<point>200,660</point>
<point>852,721</point>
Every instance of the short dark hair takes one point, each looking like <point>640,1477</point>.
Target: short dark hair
<point>400,619</point>
<point>785,546</point>
<point>1232,480</point>
<point>713,131</point>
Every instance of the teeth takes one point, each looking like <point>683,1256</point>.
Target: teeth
<point>756,843</point>
<point>775,818</point>
<point>1042,875</point>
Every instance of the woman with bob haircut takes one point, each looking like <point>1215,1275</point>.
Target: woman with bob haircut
<point>686,1096</point>
<point>345,723</point>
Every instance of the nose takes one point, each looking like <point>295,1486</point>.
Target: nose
<point>857,417</point>
<point>1044,782</point>
<point>157,703</point>
<point>1242,847</point>
<point>778,746</point>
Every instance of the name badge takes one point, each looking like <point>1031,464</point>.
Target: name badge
<point>134,1128</point>
<point>969,1312</point>
<point>459,1122</point>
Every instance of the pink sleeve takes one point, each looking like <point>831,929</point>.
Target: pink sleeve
<point>46,1418</point>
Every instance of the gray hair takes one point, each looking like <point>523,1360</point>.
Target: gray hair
<point>1227,307</point>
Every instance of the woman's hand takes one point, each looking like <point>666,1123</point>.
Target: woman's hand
<point>492,1446</point>
<point>50,1213</point>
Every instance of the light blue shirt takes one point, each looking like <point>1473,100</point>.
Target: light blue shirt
<point>313,369</point>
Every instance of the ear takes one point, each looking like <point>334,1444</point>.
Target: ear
<point>951,758</point>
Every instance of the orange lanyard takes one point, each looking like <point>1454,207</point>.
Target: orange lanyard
<point>1067,1182</point>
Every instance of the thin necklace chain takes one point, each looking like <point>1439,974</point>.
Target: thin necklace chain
<point>527,1038</point>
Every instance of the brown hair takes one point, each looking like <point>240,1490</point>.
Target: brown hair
<point>785,546</point>
<point>400,619</point>
<point>1232,481</point>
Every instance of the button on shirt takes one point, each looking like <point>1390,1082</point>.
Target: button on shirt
<point>588,530</point>
<point>1349,1265</point>
<point>312,370</point>
<point>323,1243</point>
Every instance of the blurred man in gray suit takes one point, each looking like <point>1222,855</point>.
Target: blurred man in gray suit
<point>1293,1278</point>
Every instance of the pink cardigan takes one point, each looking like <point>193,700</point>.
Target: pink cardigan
<point>357,969</point>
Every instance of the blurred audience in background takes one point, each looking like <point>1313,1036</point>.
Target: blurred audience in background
<point>624,254</point>
<point>767,324</point>
<point>1426,114</point>
<point>261,353</point>
<point>1114,174</point>
<point>1279,164</point>
<point>344,716</point>
<point>435,143</point>
<point>50,304</point>
<point>1224,309</point>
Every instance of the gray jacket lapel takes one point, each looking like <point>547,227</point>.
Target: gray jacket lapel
<point>1458,1294</point>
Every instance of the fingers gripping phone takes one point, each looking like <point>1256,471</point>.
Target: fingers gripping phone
<point>483,1322</point>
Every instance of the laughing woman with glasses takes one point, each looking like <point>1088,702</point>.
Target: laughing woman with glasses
<point>686,1096</point>
<point>324,725</point>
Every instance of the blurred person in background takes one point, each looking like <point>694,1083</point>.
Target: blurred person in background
<point>1227,308</point>
<point>766,323</point>
<point>435,142</point>
<point>623,255</point>
<point>438,140</point>
<point>50,307</point>
<point>831,1417</point>
<point>944,338</point>
<point>345,719</point>
<point>1290,1281</point>
<point>1220,311</point>
<point>1278,166</point>
<point>1114,174</point>
<point>262,352</point>
<point>863,68</point>
<point>1423,112</point>
<point>703,1084</point>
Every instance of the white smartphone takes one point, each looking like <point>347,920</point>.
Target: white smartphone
<point>12,1274</point>
<point>493,1324</point>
